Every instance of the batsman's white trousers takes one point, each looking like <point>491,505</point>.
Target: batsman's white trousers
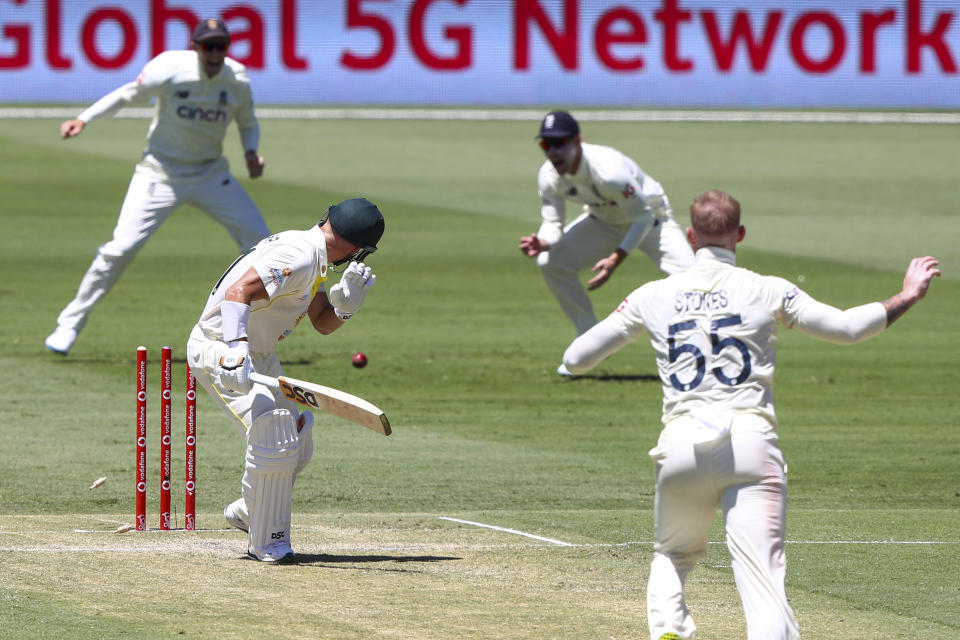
<point>203,356</point>
<point>743,472</point>
<point>148,203</point>
<point>588,239</point>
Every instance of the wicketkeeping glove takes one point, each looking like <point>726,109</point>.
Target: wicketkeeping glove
<point>347,295</point>
<point>235,368</point>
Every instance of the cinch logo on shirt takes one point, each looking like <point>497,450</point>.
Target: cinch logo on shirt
<point>206,115</point>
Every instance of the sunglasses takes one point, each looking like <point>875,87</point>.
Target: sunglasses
<point>214,46</point>
<point>553,143</point>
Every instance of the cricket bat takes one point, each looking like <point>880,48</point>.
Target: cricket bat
<point>329,400</point>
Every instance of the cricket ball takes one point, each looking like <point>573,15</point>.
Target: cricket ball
<point>359,360</point>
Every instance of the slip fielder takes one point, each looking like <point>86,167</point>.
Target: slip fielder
<point>623,209</point>
<point>714,331</point>
<point>199,92</point>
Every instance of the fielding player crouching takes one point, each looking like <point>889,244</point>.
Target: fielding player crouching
<point>258,302</point>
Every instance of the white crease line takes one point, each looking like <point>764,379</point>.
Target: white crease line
<point>552,541</point>
<point>339,548</point>
<point>560,543</point>
<point>810,542</point>
<point>892,542</point>
<point>134,531</point>
<point>716,542</point>
<point>85,550</point>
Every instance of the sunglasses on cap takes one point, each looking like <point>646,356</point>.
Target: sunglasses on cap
<point>553,143</point>
<point>218,45</point>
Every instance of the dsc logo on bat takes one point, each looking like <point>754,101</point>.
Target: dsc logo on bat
<point>298,394</point>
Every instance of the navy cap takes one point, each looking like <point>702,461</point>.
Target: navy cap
<point>211,29</point>
<point>558,124</point>
<point>359,221</point>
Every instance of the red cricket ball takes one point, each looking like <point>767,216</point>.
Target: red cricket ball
<point>359,360</point>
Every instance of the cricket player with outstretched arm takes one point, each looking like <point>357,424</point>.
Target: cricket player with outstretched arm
<point>623,209</point>
<point>199,93</point>
<point>714,331</point>
<point>258,302</point>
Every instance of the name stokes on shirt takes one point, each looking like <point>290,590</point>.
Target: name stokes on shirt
<point>700,300</point>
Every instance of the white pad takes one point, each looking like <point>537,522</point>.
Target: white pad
<point>306,443</point>
<point>272,455</point>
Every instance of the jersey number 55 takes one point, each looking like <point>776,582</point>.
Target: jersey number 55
<point>700,359</point>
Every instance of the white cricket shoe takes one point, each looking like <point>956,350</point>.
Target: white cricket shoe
<point>563,371</point>
<point>236,514</point>
<point>276,553</point>
<point>61,340</point>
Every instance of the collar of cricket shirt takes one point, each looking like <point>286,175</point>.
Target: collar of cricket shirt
<point>716,254</point>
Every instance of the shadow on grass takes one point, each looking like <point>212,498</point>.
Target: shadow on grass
<point>615,377</point>
<point>345,562</point>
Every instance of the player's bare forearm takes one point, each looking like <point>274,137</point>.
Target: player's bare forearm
<point>896,306</point>
<point>605,268</point>
<point>247,289</point>
<point>916,282</point>
<point>323,317</point>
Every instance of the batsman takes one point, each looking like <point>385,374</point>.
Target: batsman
<point>255,304</point>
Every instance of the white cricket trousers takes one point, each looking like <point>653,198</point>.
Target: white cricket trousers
<point>203,356</point>
<point>743,473</point>
<point>148,203</point>
<point>588,239</point>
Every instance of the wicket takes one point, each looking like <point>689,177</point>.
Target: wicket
<point>166,413</point>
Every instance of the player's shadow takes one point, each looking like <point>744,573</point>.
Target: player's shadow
<point>615,377</point>
<point>330,561</point>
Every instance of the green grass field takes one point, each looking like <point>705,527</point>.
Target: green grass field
<point>463,339</point>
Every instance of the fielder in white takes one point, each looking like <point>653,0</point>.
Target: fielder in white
<point>714,331</point>
<point>257,303</point>
<point>199,92</point>
<point>623,209</point>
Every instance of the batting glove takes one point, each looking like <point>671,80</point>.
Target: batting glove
<point>235,368</point>
<point>347,295</point>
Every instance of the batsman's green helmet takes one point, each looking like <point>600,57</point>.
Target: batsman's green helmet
<point>358,221</point>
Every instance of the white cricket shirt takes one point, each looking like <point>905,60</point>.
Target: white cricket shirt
<point>292,266</point>
<point>185,139</point>
<point>609,185</point>
<point>714,331</point>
